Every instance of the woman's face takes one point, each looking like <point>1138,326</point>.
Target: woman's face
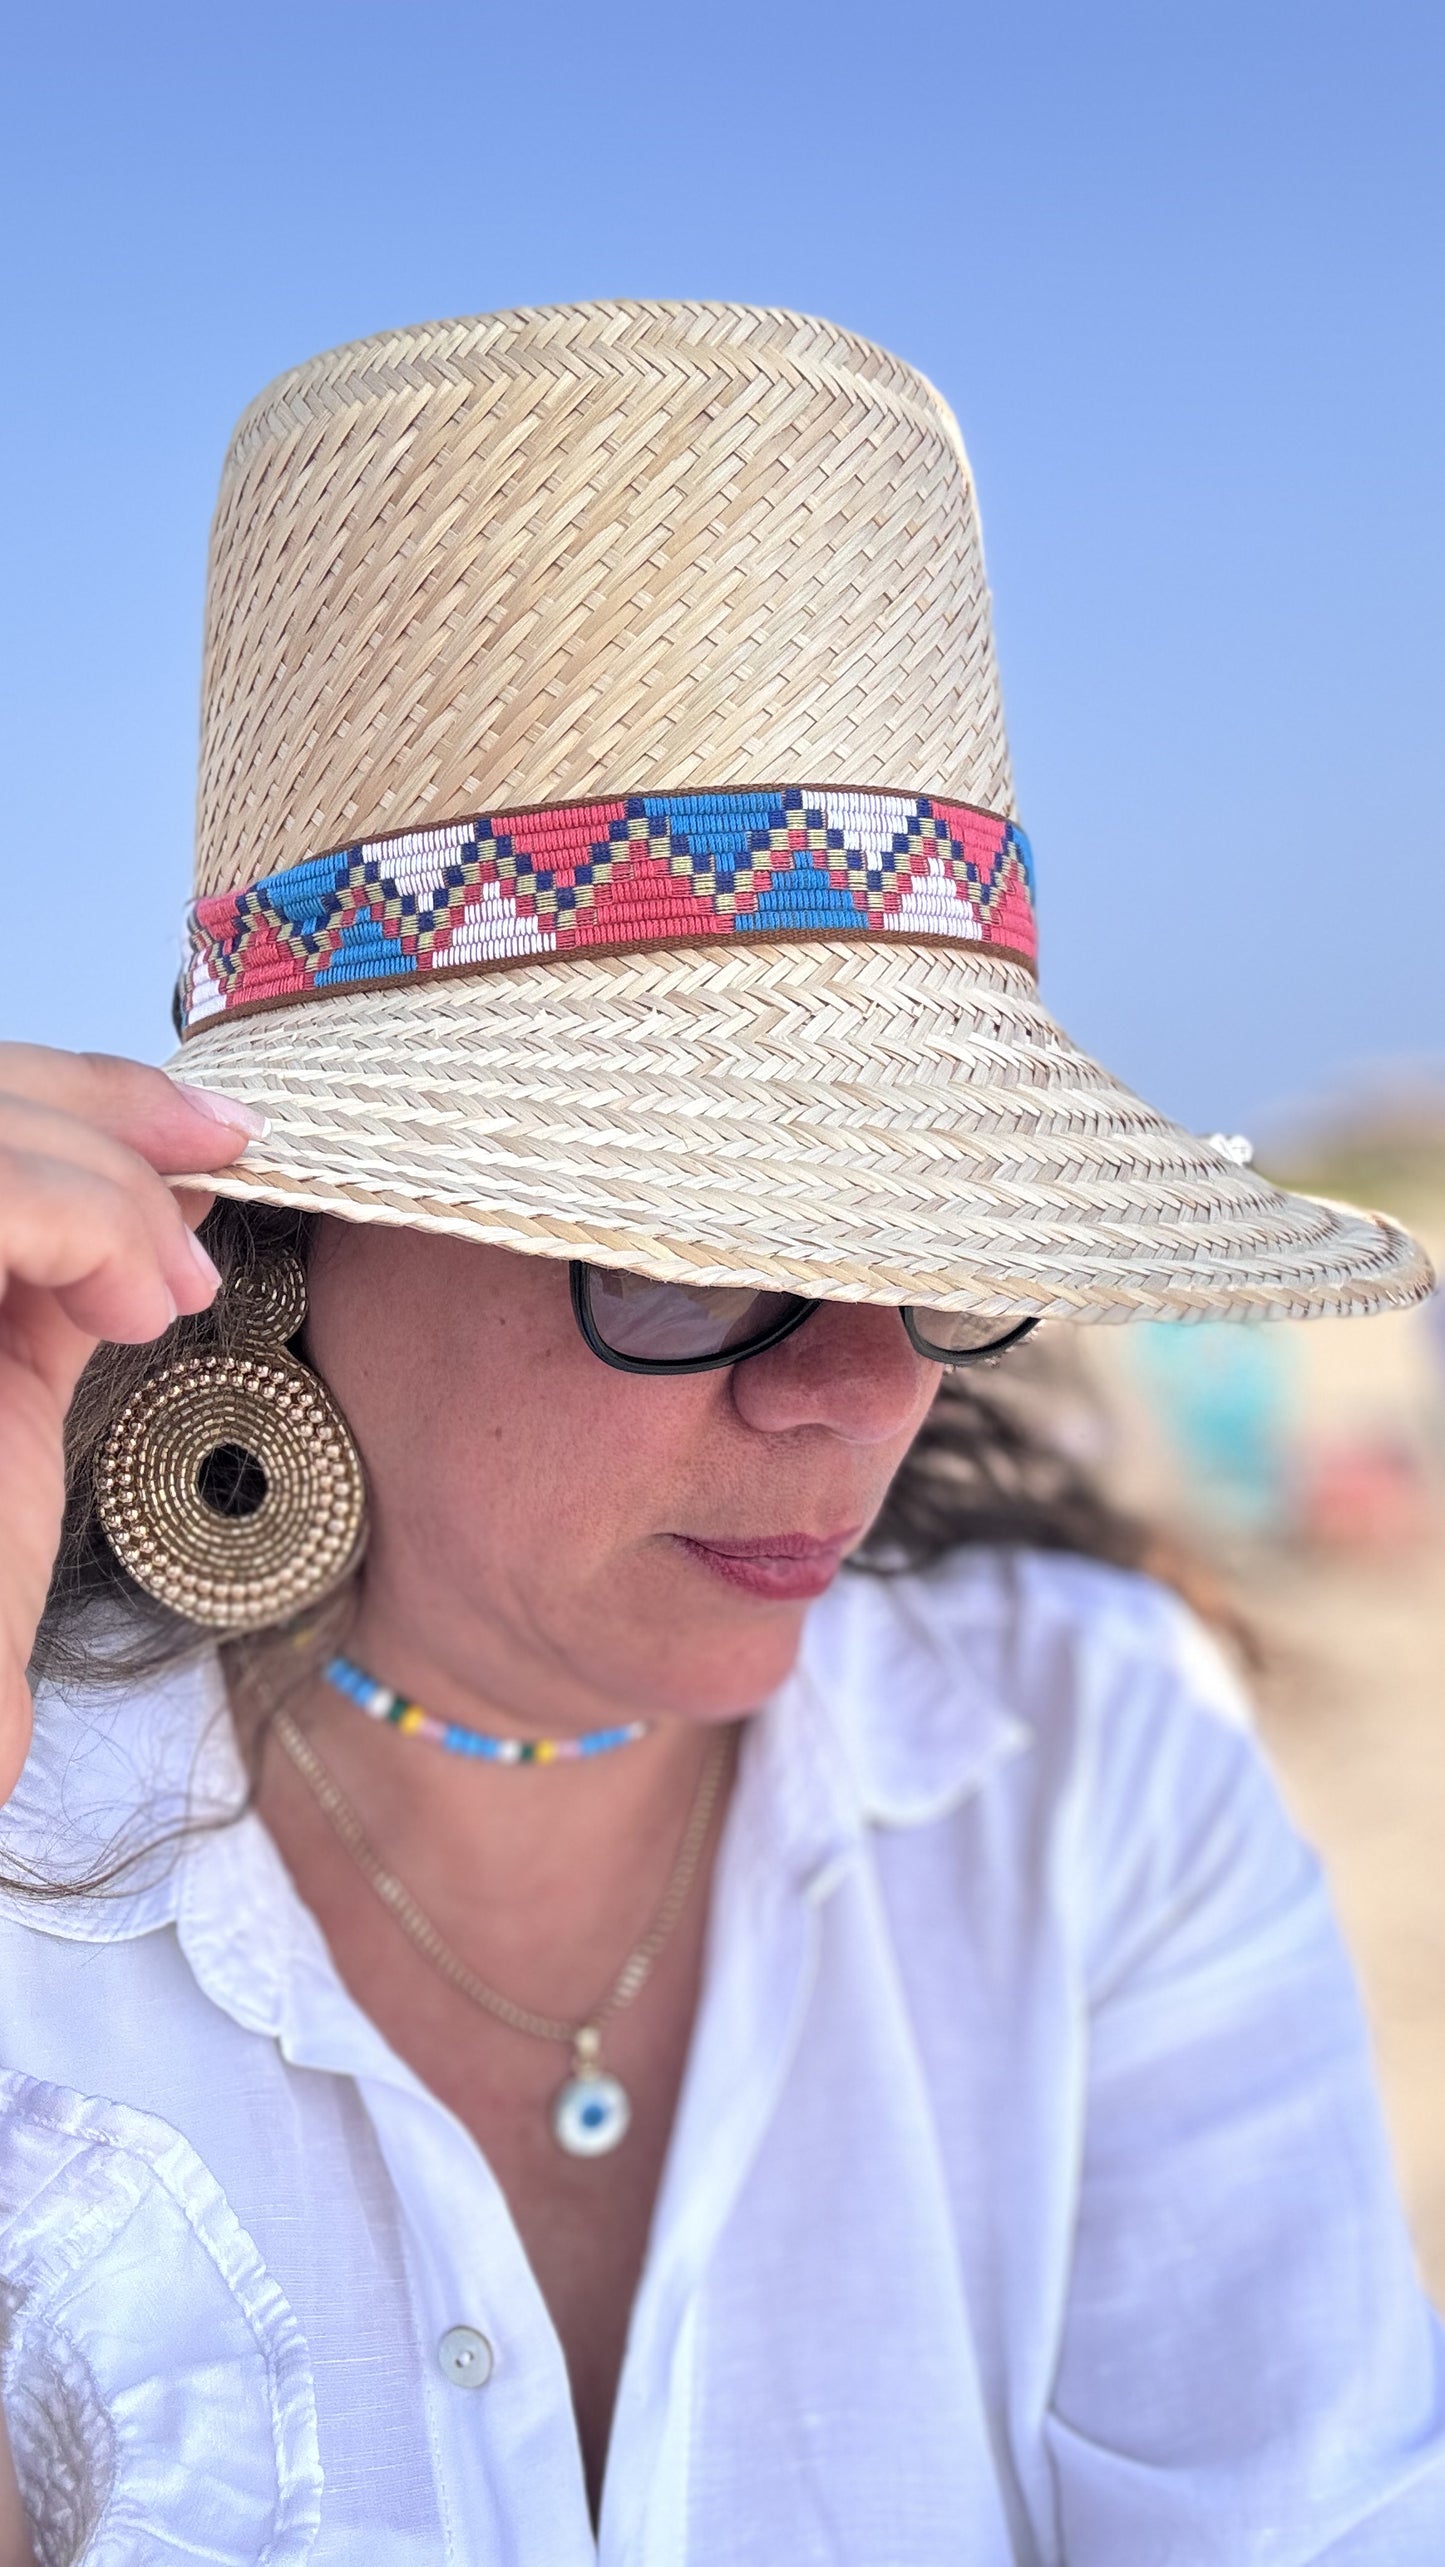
<point>555,1532</point>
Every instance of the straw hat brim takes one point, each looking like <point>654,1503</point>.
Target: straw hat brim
<point>855,1120</point>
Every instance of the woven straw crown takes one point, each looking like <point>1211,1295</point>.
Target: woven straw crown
<point>606,843</point>
<point>607,549</point>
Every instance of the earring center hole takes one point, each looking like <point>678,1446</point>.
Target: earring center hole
<point>231,1482</point>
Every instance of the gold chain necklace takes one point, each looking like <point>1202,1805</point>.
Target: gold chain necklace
<point>592,2111</point>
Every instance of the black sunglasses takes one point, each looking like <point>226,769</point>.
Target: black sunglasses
<point>642,1326</point>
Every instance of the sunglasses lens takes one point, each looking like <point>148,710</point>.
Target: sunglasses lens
<point>957,1336</point>
<point>667,1323</point>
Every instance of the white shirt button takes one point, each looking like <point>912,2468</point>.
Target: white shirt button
<point>465,2357</point>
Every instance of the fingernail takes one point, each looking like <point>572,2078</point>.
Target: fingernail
<point>205,1266</point>
<point>225,1109</point>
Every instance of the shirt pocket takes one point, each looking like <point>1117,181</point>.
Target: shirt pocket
<point>158,2388</point>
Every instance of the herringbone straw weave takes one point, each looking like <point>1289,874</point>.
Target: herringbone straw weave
<point>628,548</point>
<point>612,548</point>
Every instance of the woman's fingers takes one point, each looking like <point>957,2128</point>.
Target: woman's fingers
<point>103,1178</point>
<point>94,1243</point>
<point>178,1130</point>
<point>84,1213</point>
<point>114,1253</point>
<point>191,1205</point>
<point>80,1214</point>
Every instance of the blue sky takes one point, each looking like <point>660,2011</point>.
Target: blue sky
<point>1177,269</point>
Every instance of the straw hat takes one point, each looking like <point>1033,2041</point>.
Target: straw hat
<point>607,842</point>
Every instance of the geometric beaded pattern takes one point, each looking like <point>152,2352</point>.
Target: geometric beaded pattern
<point>650,869</point>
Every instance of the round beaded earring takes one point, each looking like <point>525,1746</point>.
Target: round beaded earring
<point>229,1485</point>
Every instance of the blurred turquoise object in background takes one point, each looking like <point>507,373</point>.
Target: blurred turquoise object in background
<point>1225,1395</point>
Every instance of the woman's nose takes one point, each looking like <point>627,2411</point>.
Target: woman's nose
<point>850,1369</point>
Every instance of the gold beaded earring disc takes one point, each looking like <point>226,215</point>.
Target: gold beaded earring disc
<point>229,1485</point>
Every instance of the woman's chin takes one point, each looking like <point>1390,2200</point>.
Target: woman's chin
<point>723,1674</point>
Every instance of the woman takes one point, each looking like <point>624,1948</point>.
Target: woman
<point>889,2090</point>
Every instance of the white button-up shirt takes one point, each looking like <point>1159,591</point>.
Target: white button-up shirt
<point>1027,2201</point>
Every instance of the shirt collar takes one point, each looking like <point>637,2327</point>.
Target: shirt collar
<point>157,1768</point>
<point>914,1678</point>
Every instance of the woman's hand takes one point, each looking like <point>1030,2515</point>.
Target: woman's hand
<point>93,1244</point>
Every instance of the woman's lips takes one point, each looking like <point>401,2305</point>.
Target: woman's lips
<point>786,1567</point>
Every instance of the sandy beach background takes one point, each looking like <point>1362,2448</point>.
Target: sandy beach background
<point>1305,1467</point>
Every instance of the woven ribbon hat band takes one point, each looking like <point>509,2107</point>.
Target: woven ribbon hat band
<point>613,877</point>
<point>607,845</point>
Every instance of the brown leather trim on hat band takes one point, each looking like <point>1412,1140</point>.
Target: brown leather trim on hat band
<point>777,862</point>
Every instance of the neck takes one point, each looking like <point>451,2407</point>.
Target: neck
<point>547,1872</point>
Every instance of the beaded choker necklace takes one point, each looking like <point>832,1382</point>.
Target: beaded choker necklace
<point>380,1703</point>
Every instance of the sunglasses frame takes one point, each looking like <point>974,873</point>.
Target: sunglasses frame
<point>579,1268</point>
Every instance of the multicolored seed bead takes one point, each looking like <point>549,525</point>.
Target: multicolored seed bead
<point>379,1702</point>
